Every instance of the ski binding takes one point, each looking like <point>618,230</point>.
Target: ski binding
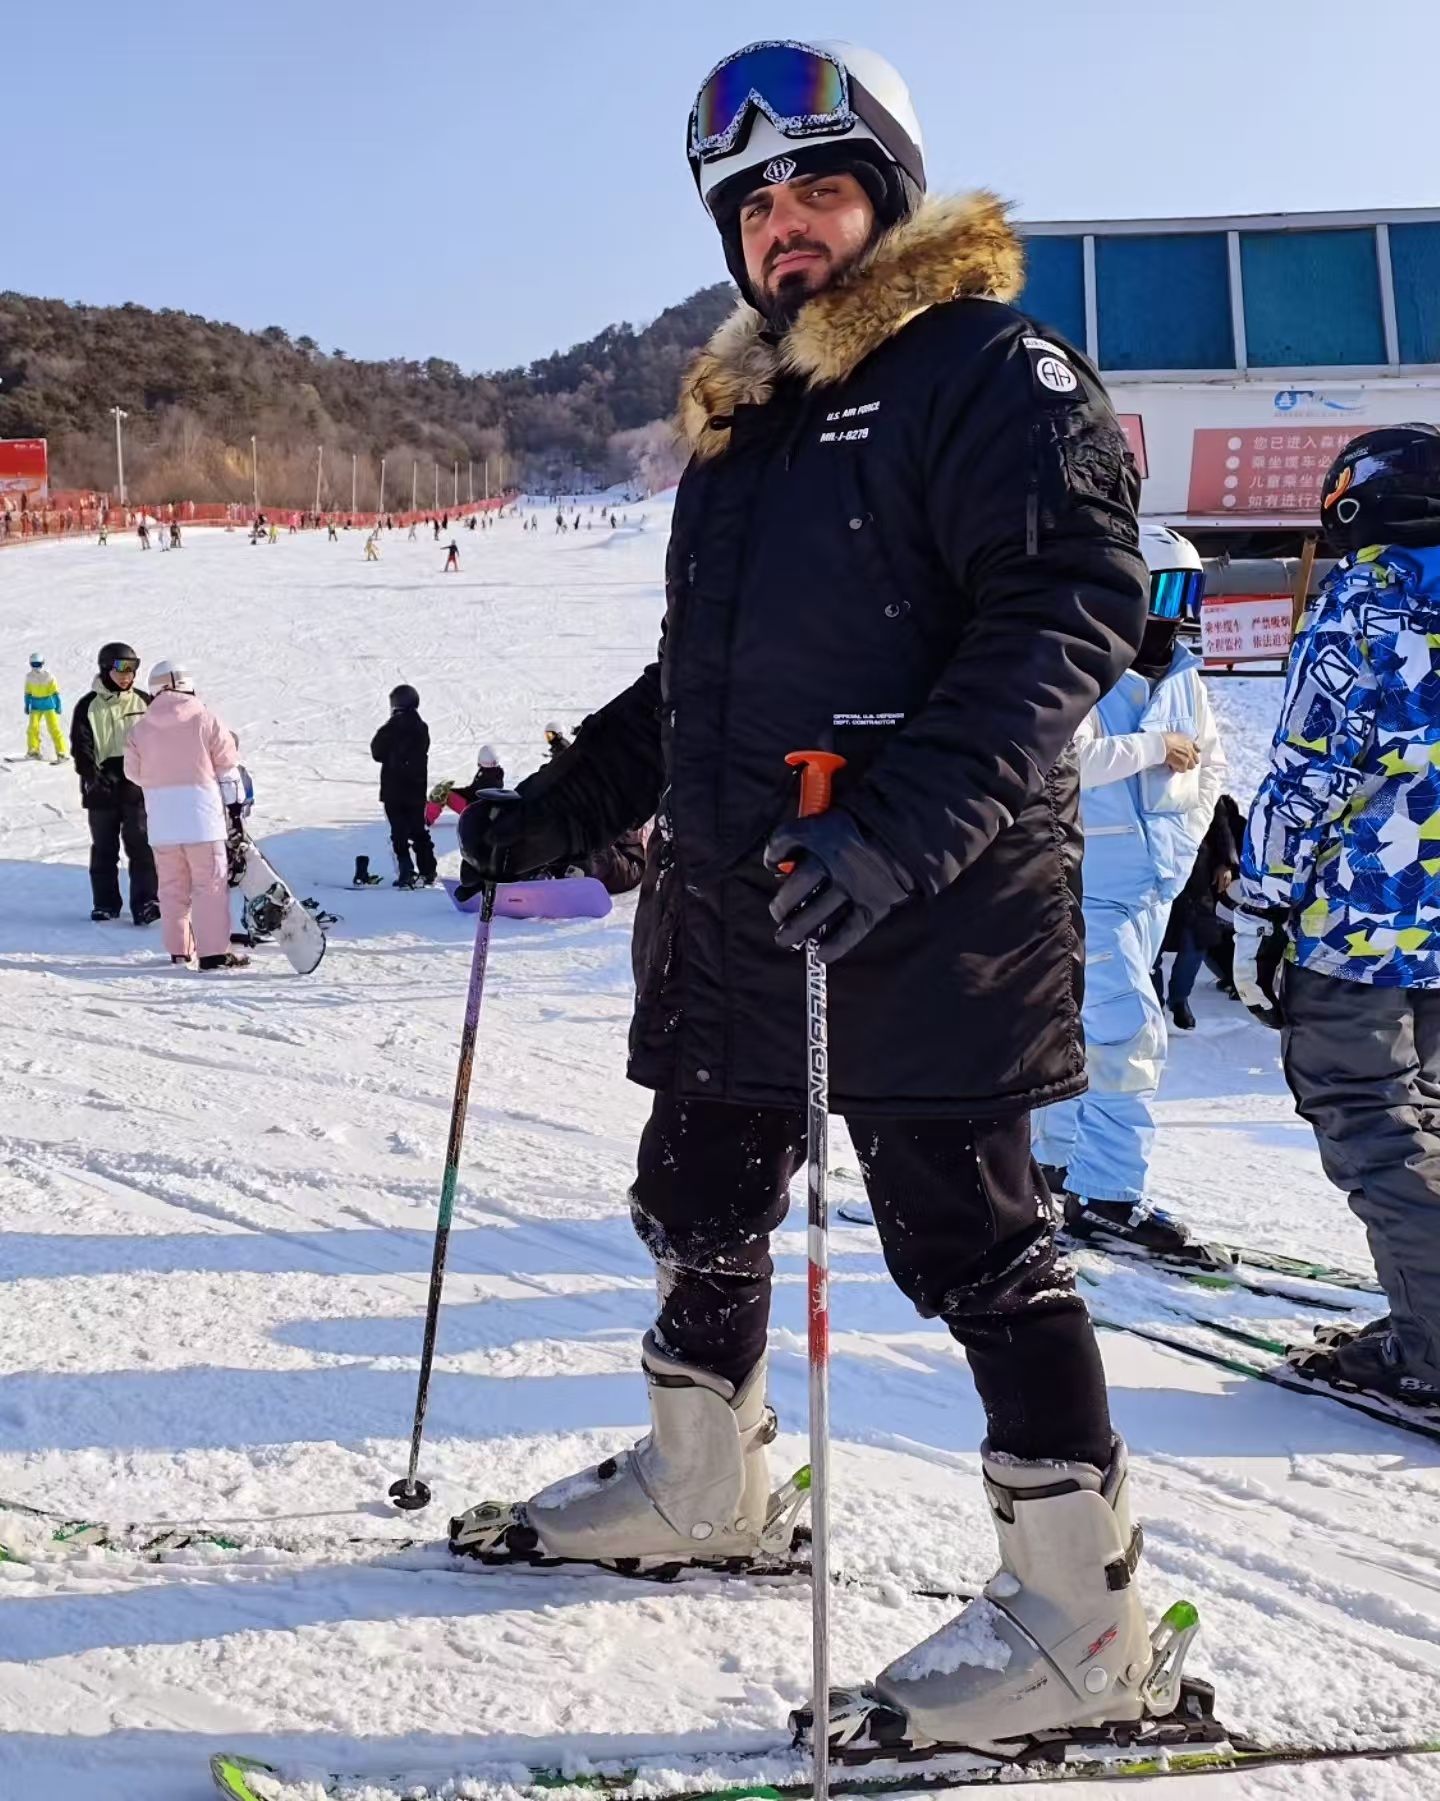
<point>864,1727</point>
<point>499,1532</point>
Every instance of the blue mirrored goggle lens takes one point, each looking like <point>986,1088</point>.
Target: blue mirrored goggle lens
<point>1176,592</point>
<point>795,84</point>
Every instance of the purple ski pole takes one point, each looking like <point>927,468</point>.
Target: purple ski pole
<point>410,1493</point>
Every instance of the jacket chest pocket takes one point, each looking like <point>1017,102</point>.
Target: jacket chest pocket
<point>880,590</point>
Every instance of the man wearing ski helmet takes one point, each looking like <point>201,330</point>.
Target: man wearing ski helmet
<point>906,534</point>
<point>114,806</point>
<point>1151,770</point>
<point>1337,935</point>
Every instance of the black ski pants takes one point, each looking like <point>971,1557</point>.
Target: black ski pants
<point>110,827</point>
<point>966,1225</point>
<point>409,832</point>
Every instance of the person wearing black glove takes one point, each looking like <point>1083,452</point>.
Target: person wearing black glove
<point>503,837</point>
<point>907,535</point>
<point>1338,872</point>
<point>842,884</point>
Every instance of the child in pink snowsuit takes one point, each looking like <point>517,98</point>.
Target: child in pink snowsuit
<point>178,759</point>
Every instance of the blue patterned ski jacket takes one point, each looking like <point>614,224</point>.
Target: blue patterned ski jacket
<point>1345,831</point>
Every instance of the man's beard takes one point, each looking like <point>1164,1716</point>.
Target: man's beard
<point>781,304</point>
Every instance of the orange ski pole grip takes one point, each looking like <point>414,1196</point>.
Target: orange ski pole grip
<point>817,771</point>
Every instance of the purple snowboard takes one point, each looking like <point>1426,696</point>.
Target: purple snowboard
<point>567,897</point>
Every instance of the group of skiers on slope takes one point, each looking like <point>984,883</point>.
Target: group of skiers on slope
<point>158,775</point>
<point>907,532</point>
<point>167,537</point>
<point>402,749</point>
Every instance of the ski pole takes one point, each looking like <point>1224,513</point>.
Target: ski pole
<point>817,767</point>
<point>408,1493</point>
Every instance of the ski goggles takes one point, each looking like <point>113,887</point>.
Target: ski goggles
<point>801,91</point>
<point>125,666</point>
<point>1174,593</point>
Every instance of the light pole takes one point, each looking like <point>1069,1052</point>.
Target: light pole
<point>436,468</point>
<point>414,477</point>
<point>254,473</point>
<point>352,481</point>
<point>382,484</point>
<point>455,485</point>
<point>119,452</point>
<point>471,479</point>
<point>319,469</point>
<point>487,478</point>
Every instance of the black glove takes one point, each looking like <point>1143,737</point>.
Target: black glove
<point>842,885</point>
<point>503,835</point>
<point>1261,941</point>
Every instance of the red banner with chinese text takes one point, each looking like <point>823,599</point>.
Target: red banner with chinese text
<point>1259,469</point>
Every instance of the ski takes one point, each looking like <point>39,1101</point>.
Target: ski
<point>1232,1263</point>
<point>1267,1362</point>
<point>155,1541</point>
<point>1234,1266</point>
<point>786,1773</point>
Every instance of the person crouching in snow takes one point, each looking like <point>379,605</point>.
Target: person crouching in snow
<point>42,701</point>
<point>177,753</point>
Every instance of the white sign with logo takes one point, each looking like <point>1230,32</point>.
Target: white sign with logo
<point>1245,628</point>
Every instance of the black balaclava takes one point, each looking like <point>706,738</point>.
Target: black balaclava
<point>113,653</point>
<point>1157,648</point>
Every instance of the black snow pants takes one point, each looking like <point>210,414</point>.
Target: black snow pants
<point>967,1229</point>
<point>1364,1066</point>
<point>408,831</point>
<point>110,827</point>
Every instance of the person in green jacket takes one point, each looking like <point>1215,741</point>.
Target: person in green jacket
<point>113,804</point>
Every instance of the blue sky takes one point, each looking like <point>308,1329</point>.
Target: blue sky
<point>487,183</point>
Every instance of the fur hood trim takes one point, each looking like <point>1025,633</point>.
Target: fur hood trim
<point>950,249</point>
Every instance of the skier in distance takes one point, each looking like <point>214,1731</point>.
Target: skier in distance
<point>906,533</point>
<point>1337,924</point>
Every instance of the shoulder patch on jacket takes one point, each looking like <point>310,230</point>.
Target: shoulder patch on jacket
<point>1050,365</point>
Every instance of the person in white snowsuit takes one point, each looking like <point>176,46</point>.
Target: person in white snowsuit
<point>1151,770</point>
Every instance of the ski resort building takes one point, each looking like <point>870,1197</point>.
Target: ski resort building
<point>1243,353</point>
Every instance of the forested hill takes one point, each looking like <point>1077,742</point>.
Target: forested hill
<point>196,390</point>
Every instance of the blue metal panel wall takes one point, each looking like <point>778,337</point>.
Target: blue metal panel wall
<point>1164,302</point>
<point>1055,285</point>
<point>1311,298</point>
<point>1415,259</point>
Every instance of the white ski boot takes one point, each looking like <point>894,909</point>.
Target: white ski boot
<point>1058,1637</point>
<point>696,1490</point>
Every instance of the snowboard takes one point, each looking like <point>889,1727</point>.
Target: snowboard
<point>294,928</point>
<point>566,897</point>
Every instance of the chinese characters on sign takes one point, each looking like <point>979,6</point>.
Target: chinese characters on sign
<point>1245,628</point>
<point>1258,469</point>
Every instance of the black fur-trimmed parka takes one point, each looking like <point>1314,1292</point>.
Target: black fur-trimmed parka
<point>907,534</point>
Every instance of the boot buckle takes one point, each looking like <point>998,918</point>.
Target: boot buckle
<point>1169,1643</point>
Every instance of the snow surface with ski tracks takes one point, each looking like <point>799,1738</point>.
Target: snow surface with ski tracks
<point>216,1205</point>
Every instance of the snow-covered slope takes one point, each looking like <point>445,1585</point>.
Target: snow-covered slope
<point>216,1201</point>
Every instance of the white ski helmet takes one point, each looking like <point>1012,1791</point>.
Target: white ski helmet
<point>37,660</point>
<point>1177,572</point>
<point>168,674</point>
<point>780,108</point>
